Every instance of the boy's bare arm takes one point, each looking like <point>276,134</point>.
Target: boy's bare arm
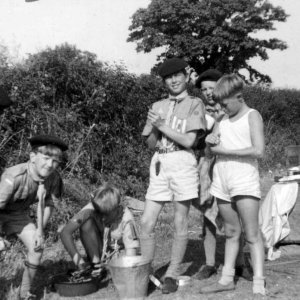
<point>68,242</point>
<point>153,138</point>
<point>257,139</point>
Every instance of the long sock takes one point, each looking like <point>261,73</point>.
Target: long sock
<point>148,245</point>
<point>210,243</point>
<point>240,260</point>
<point>177,254</point>
<point>227,275</point>
<point>259,285</point>
<point>27,280</point>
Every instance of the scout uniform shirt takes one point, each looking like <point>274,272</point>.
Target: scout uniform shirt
<point>120,230</point>
<point>18,189</point>
<point>187,115</point>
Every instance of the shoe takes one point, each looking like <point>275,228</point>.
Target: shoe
<point>169,286</point>
<point>205,272</point>
<point>244,271</point>
<point>217,287</point>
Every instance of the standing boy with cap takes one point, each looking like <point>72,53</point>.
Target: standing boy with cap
<point>171,130</point>
<point>20,187</point>
<point>206,82</point>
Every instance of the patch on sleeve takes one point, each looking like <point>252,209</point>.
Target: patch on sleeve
<point>196,112</point>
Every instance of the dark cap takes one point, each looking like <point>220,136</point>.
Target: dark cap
<point>4,99</point>
<point>171,66</point>
<point>209,75</point>
<point>44,140</point>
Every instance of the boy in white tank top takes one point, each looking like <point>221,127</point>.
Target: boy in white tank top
<point>238,141</point>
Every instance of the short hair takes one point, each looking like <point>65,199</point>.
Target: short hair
<point>227,86</point>
<point>106,199</point>
<point>50,150</point>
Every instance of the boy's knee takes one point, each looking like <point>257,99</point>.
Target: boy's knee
<point>34,257</point>
<point>232,233</point>
<point>253,237</point>
<point>181,224</point>
<point>147,224</point>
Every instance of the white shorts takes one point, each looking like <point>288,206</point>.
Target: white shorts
<point>235,177</point>
<point>178,178</point>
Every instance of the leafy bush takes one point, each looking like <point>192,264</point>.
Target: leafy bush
<point>100,111</point>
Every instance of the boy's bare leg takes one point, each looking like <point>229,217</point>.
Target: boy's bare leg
<point>148,222</point>
<point>91,239</point>
<point>33,258</point>
<point>180,237</point>
<point>248,208</point>
<point>210,242</point>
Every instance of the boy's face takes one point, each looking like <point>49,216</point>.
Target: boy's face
<point>232,105</point>
<point>43,163</point>
<point>207,88</point>
<point>176,83</point>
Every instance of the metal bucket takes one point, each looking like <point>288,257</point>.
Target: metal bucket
<point>130,275</point>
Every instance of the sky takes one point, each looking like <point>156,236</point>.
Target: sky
<point>101,27</point>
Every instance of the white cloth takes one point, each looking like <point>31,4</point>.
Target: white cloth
<point>273,215</point>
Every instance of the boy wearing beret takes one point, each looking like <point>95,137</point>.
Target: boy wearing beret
<point>20,187</point>
<point>171,129</point>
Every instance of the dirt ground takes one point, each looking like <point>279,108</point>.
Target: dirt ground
<point>282,275</point>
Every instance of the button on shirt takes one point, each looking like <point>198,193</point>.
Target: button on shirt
<point>188,115</point>
<point>18,189</point>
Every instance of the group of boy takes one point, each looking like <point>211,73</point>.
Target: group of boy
<point>173,127</point>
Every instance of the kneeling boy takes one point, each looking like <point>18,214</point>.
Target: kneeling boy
<point>20,187</point>
<point>101,222</point>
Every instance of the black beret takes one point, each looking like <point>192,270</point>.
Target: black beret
<point>171,66</point>
<point>44,140</point>
<point>208,75</point>
<point>4,99</point>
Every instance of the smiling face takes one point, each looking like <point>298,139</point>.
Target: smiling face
<point>45,160</point>
<point>177,82</point>
<point>207,88</point>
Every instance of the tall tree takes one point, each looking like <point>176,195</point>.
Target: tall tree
<point>208,33</point>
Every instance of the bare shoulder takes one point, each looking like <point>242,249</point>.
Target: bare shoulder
<point>255,116</point>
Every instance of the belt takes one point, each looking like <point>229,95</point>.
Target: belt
<point>173,149</point>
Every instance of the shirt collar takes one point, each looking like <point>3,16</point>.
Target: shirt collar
<point>33,175</point>
<point>179,97</point>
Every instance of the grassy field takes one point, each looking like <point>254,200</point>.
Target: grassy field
<point>282,275</point>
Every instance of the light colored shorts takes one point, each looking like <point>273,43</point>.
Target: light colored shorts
<point>14,222</point>
<point>235,177</point>
<point>178,178</point>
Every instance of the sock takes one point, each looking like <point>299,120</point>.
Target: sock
<point>227,275</point>
<point>147,242</point>
<point>259,285</point>
<point>209,243</point>
<point>27,279</point>
<point>177,254</point>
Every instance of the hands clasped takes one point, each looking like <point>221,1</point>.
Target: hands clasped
<point>156,119</point>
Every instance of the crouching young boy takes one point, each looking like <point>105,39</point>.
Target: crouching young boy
<point>102,223</point>
<point>20,187</point>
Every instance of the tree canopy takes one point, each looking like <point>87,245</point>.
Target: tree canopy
<point>209,33</point>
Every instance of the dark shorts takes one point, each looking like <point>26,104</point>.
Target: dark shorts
<point>14,222</point>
